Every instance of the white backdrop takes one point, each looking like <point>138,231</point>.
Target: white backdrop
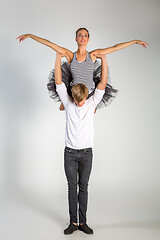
<point>126,145</point>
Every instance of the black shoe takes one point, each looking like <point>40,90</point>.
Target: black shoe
<point>70,229</point>
<point>84,227</point>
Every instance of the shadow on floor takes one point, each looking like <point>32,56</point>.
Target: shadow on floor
<point>134,224</point>
<point>50,209</point>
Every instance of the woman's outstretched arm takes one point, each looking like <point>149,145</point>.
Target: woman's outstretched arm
<point>46,42</point>
<point>118,47</point>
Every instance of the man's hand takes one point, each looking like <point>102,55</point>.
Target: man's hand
<point>60,55</point>
<point>101,56</point>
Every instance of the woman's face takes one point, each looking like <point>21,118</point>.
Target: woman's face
<point>82,37</point>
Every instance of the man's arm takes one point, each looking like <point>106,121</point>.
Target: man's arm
<point>60,86</point>
<point>100,89</point>
<point>104,72</point>
<point>58,71</point>
<point>118,47</point>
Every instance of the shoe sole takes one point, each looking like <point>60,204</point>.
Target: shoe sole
<point>85,232</point>
<point>71,232</point>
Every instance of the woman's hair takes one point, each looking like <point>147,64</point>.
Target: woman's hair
<point>79,92</point>
<point>82,29</point>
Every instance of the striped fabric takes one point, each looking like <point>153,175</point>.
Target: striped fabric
<point>82,72</point>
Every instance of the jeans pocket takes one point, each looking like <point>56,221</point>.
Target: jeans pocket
<point>68,150</point>
<point>88,150</point>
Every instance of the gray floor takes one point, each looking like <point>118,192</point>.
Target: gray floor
<point>32,216</point>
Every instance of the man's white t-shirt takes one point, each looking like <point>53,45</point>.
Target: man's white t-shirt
<point>79,120</point>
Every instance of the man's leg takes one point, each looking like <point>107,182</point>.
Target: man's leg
<point>84,169</point>
<point>71,170</point>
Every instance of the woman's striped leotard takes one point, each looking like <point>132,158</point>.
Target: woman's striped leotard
<point>82,72</point>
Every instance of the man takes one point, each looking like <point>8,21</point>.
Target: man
<point>79,141</point>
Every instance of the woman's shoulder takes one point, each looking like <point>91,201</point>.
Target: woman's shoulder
<point>70,56</point>
<point>93,57</point>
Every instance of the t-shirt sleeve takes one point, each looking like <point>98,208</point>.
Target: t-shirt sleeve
<point>97,96</point>
<point>62,92</point>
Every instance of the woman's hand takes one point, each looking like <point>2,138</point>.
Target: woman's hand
<point>23,37</point>
<point>142,43</point>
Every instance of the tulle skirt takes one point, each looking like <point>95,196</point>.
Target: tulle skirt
<point>110,92</point>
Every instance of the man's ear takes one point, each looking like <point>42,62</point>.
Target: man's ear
<point>76,39</point>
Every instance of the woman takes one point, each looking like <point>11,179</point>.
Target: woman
<point>82,66</point>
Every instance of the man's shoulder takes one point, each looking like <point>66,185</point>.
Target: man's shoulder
<point>100,91</point>
<point>90,101</point>
<point>61,85</point>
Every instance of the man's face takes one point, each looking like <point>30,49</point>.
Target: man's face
<point>80,104</point>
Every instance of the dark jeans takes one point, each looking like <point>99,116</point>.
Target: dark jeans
<point>78,165</point>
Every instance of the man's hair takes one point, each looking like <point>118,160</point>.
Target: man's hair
<point>82,29</point>
<point>79,92</point>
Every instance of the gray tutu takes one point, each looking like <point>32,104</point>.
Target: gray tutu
<point>110,92</point>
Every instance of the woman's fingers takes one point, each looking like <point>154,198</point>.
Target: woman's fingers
<point>146,43</point>
<point>143,44</point>
<point>21,37</point>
